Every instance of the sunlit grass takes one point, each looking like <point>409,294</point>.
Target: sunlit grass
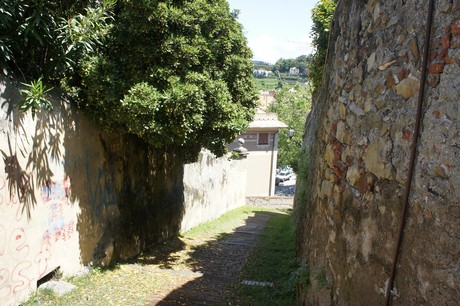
<point>137,282</point>
<point>226,223</point>
<point>273,261</point>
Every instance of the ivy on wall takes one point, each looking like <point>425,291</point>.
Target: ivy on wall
<point>321,17</point>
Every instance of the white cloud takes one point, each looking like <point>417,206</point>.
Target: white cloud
<point>269,48</point>
<point>263,48</point>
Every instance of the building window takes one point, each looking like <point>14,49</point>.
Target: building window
<point>263,139</point>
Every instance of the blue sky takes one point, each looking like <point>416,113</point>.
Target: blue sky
<point>276,28</point>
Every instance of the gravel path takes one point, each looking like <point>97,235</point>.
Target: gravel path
<point>210,270</point>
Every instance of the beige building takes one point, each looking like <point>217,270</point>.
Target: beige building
<point>261,140</point>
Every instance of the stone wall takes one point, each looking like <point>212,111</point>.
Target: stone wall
<point>358,140</point>
<point>71,195</point>
<point>275,201</point>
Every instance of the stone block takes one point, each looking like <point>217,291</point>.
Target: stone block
<point>376,161</point>
<point>413,47</point>
<point>329,155</point>
<point>342,134</point>
<point>436,68</point>
<point>60,287</point>
<point>326,188</point>
<point>342,111</point>
<point>356,109</point>
<point>353,175</point>
<point>371,62</point>
<point>440,171</point>
<point>386,65</point>
<point>445,41</point>
<point>407,87</point>
<point>455,27</point>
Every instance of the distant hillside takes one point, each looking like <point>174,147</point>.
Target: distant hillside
<point>277,80</point>
<point>283,65</point>
<point>281,72</point>
<point>261,63</point>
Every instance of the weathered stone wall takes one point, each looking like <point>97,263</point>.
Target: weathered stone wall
<point>358,142</point>
<point>71,195</point>
<point>275,201</point>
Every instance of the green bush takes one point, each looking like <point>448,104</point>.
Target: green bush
<point>175,74</point>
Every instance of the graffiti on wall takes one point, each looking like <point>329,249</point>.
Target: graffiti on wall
<point>20,266</point>
<point>24,259</point>
<point>55,196</point>
<point>102,191</point>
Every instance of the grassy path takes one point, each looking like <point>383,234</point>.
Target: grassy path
<point>203,266</point>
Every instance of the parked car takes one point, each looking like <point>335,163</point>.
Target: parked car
<point>283,175</point>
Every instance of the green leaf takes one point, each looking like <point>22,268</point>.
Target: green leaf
<point>34,97</point>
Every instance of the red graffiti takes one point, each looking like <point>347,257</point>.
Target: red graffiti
<point>64,233</point>
<point>17,250</point>
<point>20,280</point>
<point>53,192</point>
<point>5,288</point>
<point>56,196</point>
<point>21,263</point>
<point>18,244</point>
<point>42,259</point>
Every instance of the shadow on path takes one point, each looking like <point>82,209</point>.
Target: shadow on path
<point>213,268</point>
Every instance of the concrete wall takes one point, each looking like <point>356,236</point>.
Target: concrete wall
<point>212,187</point>
<point>358,141</point>
<point>38,224</point>
<point>71,195</point>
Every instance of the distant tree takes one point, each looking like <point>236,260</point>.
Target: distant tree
<point>322,15</point>
<point>283,65</point>
<point>301,62</point>
<point>262,65</point>
<point>266,67</point>
<point>292,105</point>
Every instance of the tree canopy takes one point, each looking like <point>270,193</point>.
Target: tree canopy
<point>292,105</point>
<point>41,38</point>
<point>175,73</point>
<point>283,65</point>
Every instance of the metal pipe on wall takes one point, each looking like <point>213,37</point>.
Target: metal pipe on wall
<point>413,152</point>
